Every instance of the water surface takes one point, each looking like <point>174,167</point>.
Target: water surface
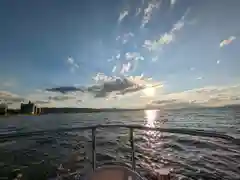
<point>187,156</point>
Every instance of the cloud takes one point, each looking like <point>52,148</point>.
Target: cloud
<point>172,3</point>
<point>101,77</point>
<point>125,38</point>
<point>130,91</point>
<point>122,16</point>
<point>227,41</point>
<point>132,59</point>
<point>133,56</point>
<point>65,89</point>
<point>117,57</point>
<point>155,58</point>
<point>166,38</point>
<point>10,97</point>
<point>61,98</point>
<point>114,69</point>
<point>148,11</point>
<point>109,85</point>
<point>73,64</point>
<point>192,69</point>
<point>41,102</point>
<point>8,82</point>
<point>105,86</point>
<point>54,99</point>
<point>113,86</point>
<point>138,11</point>
<point>213,96</point>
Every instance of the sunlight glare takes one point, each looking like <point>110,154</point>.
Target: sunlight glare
<point>151,116</point>
<point>149,91</point>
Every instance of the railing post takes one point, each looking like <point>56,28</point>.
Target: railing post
<point>93,148</point>
<point>133,149</point>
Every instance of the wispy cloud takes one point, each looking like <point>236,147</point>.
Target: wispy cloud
<point>172,3</point>
<point>10,97</point>
<point>101,77</point>
<point>148,11</point>
<point>166,38</point>
<point>61,97</point>
<point>138,11</point>
<point>73,64</point>
<point>207,96</point>
<point>122,15</point>
<point>8,82</point>
<point>54,99</point>
<point>125,38</point>
<point>199,78</point>
<point>132,59</point>
<point>114,69</point>
<point>227,41</point>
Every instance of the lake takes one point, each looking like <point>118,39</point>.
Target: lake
<point>186,156</point>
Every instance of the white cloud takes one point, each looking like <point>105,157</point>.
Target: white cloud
<point>70,60</point>
<point>114,69</point>
<point>125,38</point>
<point>166,38</point>
<point>101,77</point>
<point>122,16</point>
<point>133,56</point>
<point>155,58</point>
<point>207,96</point>
<point>126,68</point>
<point>118,56</point>
<point>132,59</point>
<point>8,96</point>
<point>173,2</point>
<point>73,64</point>
<point>154,4</point>
<point>129,65</point>
<point>138,11</point>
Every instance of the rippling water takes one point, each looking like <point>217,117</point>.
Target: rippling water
<point>188,157</point>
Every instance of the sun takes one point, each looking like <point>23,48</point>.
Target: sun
<point>149,91</point>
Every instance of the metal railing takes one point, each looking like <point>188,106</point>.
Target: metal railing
<point>193,132</point>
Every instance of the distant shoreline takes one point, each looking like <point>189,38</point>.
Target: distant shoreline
<point>47,110</point>
<point>68,110</point>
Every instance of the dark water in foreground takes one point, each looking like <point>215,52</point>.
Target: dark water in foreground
<point>188,157</point>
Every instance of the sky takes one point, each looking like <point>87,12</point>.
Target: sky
<point>125,54</point>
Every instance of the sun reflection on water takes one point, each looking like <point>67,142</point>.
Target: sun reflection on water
<point>151,117</point>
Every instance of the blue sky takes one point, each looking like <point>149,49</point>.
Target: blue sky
<point>48,44</point>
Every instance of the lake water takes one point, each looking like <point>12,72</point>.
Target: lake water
<point>186,156</point>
